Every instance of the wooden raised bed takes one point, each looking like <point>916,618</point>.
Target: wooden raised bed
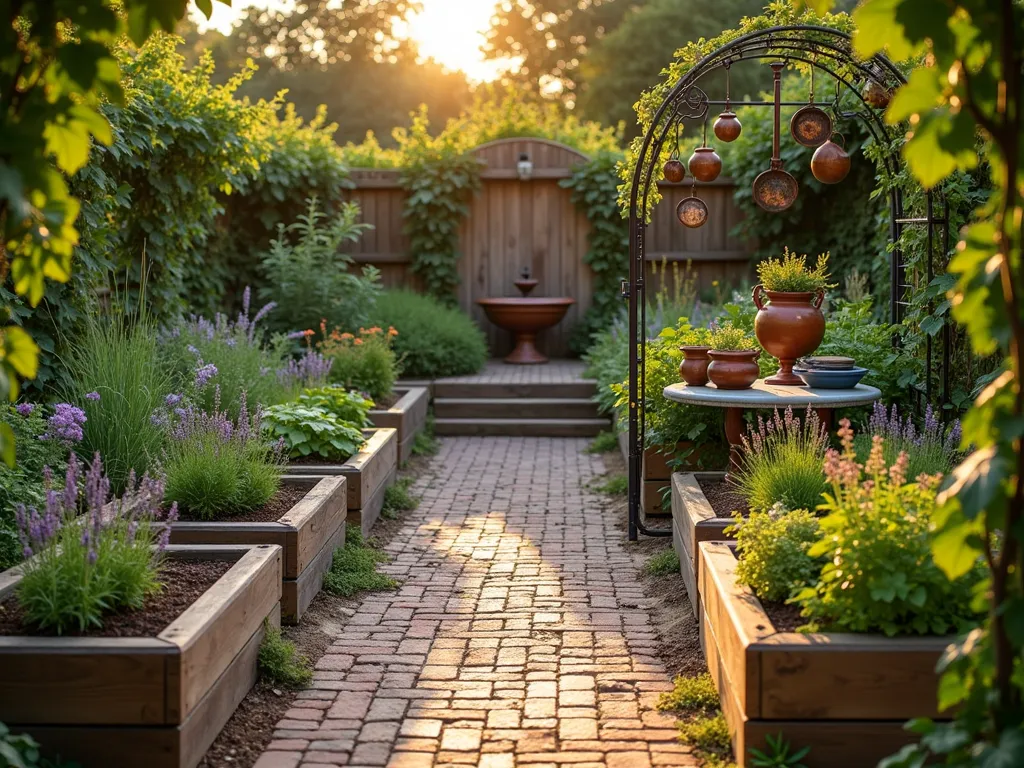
<point>408,417</point>
<point>369,473</point>
<point>694,521</point>
<point>157,701</point>
<point>308,534</point>
<point>846,696</point>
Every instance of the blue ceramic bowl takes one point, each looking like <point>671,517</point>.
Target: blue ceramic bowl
<point>830,379</point>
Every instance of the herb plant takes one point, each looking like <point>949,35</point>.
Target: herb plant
<point>879,573</point>
<point>354,567</point>
<point>934,448</point>
<point>80,570</point>
<point>363,361</point>
<point>216,465</point>
<point>791,274</point>
<point>772,546</point>
<point>729,338</point>
<point>342,403</point>
<point>782,462</point>
<point>307,430</point>
<point>280,662</point>
<point>777,754</point>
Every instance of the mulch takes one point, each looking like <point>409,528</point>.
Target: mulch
<point>278,506</point>
<point>723,497</point>
<point>184,582</point>
<point>383,403</point>
<point>785,616</point>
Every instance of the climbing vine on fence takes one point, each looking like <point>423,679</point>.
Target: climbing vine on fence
<point>593,192</point>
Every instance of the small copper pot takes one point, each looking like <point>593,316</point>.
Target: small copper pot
<point>675,171</point>
<point>830,163</point>
<point>734,370</point>
<point>728,127</point>
<point>705,164</point>
<point>694,368</point>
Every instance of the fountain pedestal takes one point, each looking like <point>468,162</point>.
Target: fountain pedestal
<point>526,317</point>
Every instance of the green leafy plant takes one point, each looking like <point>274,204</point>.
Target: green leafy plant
<point>664,563</point>
<point>879,573</point>
<point>607,360</point>
<point>79,571</point>
<point>342,403</point>
<point>772,546</point>
<point>354,568</point>
<point>617,485</point>
<point>433,340</point>
<point>217,466</point>
<point>777,754</point>
<point>309,276</point>
<point>690,694</point>
<point>22,751</point>
<point>791,273</point>
<point>397,498</point>
<point>115,374</point>
<point>707,734</point>
<point>363,361</point>
<point>310,431</point>
<point>931,447</point>
<point>782,461</point>
<point>606,442</point>
<point>729,338</point>
<point>280,662</point>
<point>426,443</point>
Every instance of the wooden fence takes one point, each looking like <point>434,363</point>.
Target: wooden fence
<point>514,223</point>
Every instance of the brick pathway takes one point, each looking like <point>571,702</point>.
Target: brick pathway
<point>518,638</point>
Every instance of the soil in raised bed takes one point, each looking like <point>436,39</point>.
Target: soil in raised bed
<point>723,498</point>
<point>383,403</point>
<point>785,616</point>
<point>316,460</point>
<point>184,582</point>
<point>287,496</point>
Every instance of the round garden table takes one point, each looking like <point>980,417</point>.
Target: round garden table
<point>762,396</point>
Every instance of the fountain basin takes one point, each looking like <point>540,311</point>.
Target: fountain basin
<point>525,318</point>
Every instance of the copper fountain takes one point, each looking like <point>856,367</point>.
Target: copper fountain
<point>526,317</point>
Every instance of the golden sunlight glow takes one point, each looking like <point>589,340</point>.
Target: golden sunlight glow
<point>448,31</point>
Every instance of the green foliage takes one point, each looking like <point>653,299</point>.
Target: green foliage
<point>280,663</point>
<point>690,694</point>
<point>342,403</point>
<point>879,573</point>
<point>354,568</point>
<point>366,362</point>
<point>617,485</point>
<point>606,442</point>
<point>772,546</point>
<point>310,431</point>
<point>118,356</point>
<point>425,443</point>
<point>730,338</point>
<point>777,754</point>
<point>433,340</point>
<point>22,751</point>
<point>398,499</point>
<point>23,483</point>
<point>707,733</point>
<point>308,275</point>
<point>607,360</point>
<point>791,273</point>
<point>665,563</point>
<point>782,462</point>
<point>593,191</point>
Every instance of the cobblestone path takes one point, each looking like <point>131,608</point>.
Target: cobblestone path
<point>518,638</point>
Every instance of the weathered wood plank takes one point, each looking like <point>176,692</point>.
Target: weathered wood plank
<point>297,594</point>
<point>371,467</point>
<point>407,417</point>
<point>314,520</point>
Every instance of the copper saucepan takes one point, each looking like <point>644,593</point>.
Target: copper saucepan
<point>774,189</point>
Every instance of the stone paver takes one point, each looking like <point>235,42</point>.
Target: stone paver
<point>519,636</point>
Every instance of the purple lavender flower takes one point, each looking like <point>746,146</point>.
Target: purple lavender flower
<point>94,395</point>
<point>172,400</point>
<point>159,418</point>
<point>65,424</point>
<point>310,370</point>
<point>24,409</point>
<point>191,348</point>
<point>204,374</point>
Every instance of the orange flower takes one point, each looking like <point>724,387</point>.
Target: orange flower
<point>357,342</point>
<point>323,326</point>
<point>392,331</point>
<point>376,329</point>
<point>308,332</point>
<point>346,336</point>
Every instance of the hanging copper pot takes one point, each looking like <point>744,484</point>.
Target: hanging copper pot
<point>810,125</point>
<point>831,162</point>
<point>876,94</point>
<point>705,164</point>
<point>675,171</point>
<point>727,127</point>
<point>775,190</point>
<point>692,212</point>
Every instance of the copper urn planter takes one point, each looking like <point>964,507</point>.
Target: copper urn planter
<point>788,326</point>
<point>694,368</point>
<point>734,369</point>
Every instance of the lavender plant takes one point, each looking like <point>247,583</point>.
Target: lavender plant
<point>80,569</point>
<point>217,465</point>
<point>238,357</point>
<point>934,448</point>
<point>782,460</point>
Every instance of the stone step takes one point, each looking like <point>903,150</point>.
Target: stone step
<point>521,427</point>
<point>515,408</point>
<point>583,388</point>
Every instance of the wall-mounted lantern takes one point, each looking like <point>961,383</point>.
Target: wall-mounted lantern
<point>524,167</point>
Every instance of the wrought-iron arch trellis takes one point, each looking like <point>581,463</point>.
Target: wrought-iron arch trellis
<point>827,50</point>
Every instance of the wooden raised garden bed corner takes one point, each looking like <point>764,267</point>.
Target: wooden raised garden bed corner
<point>694,521</point>
<point>156,701</point>
<point>408,417</point>
<point>845,696</point>
<point>369,473</point>
<point>308,534</point>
